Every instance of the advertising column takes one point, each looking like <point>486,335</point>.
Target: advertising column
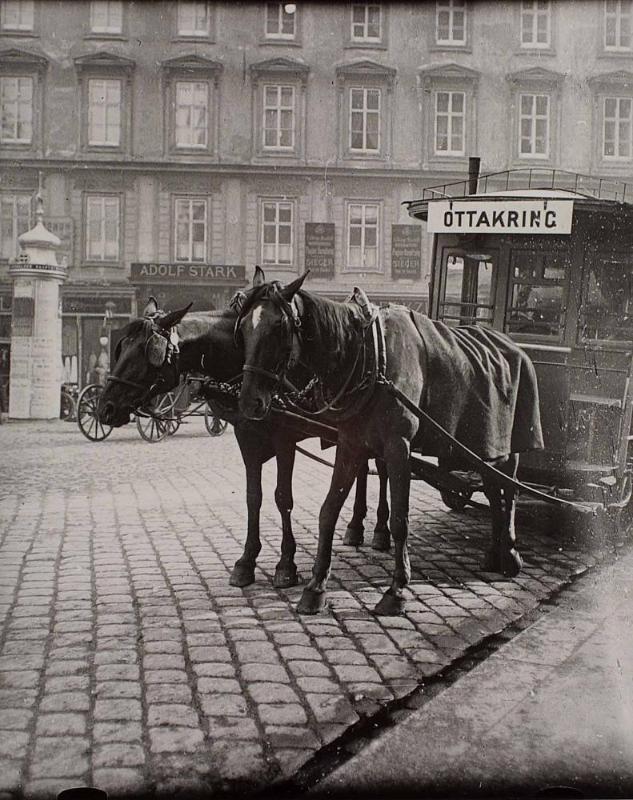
<point>36,334</point>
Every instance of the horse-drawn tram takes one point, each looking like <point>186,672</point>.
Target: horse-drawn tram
<point>547,258</point>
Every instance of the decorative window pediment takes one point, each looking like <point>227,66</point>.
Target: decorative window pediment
<point>23,59</point>
<point>104,61</point>
<point>194,65</point>
<point>281,67</point>
<point>449,71</point>
<point>537,75</point>
<point>611,80</point>
<point>364,69</point>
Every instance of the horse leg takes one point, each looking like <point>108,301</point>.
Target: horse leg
<point>355,529</point>
<point>382,535</point>
<point>286,570</point>
<point>502,556</point>
<point>346,467</point>
<point>397,460</point>
<point>243,572</point>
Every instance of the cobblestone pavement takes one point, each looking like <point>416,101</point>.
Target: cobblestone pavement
<point>127,661</point>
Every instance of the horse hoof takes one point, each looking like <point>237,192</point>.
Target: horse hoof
<point>389,605</point>
<point>354,536</point>
<point>242,576</point>
<point>381,540</point>
<point>512,563</point>
<point>285,577</point>
<point>311,602</point>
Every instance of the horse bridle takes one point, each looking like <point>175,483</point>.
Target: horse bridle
<point>291,324</point>
<point>172,352</point>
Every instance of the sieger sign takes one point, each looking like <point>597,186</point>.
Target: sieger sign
<point>501,216</point>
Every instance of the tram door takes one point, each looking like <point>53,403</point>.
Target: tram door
<point>468,285</point>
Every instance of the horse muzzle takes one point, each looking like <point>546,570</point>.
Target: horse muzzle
<point>256,407</point>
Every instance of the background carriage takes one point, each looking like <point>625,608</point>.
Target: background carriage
<point>546,256</point>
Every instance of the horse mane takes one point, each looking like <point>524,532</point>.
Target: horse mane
<point>329,325</point>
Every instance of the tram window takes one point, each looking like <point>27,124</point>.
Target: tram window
<point>468,288</point>
<point>607,308</point>
<point>538,292</point>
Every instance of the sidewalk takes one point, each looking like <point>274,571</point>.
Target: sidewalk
<point>552,708</point>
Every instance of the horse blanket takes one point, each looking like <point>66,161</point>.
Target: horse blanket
<point>481,388</point>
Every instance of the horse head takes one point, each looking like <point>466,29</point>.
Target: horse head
<point>268,324</point>
<point>147,364</point>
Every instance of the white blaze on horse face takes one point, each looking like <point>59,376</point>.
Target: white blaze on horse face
<point>256,317</point>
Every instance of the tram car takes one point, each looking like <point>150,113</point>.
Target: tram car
<point>547,257</point>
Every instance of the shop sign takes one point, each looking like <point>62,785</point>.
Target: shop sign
<point>95,304</point>
<point>406,251</point>
<point>144,272</point>
<point>501,216</point>
<point>320,249</point>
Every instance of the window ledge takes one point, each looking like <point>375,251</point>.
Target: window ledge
<point>109,264</point>
<point>116,37</point>
<point>535,51</point>
<point>206,39</point>
<point>365,46</point>
<point>187,152</point>
<point>280,42</point>
<point>450,48</point>
<point>361,270</point>
<point>615,54</point>
<point>19,34</point>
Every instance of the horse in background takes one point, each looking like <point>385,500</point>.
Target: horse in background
<point>154,351</point>
<point>472,380</point>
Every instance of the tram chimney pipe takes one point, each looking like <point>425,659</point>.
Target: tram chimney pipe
<point>473,174</point>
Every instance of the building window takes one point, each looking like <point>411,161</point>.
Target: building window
<point>193,19</point>
<point>534,125</point>
<point>279,118</point>
<point>192,114</point>
<point>16,108</point>
<point>617,24</point>
<point>102,228</point>
<point>618,125</point>
<point>363,236</point>
<point>364,120</point>
<point>277,232</point>
<point>104,112</point>
<point>450,111</point>
<point>15,219</point>
<point>366,22</point>
<point>106,16</point>
<point>450,22</point>
<point>535,23</point>
<point>191,229</point>
<point>280,20</point>
<point>17,15</point>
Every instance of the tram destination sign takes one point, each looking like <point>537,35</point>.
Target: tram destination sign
<point>501,216</point>
<point>153,272</point>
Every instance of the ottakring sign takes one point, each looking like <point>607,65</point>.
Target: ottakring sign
<point>501,216</point>
<point>150,272</point>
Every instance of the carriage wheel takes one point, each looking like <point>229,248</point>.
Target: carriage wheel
<point>67,408</point>
<point>87,419</point>
<point>454,500</point>
<point>159,423</point>
<point>215,425</point>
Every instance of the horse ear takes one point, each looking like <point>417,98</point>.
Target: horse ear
<point>151,308</point>
<point>289,291</point>
<point>259,278</point>
<point>173,318</point>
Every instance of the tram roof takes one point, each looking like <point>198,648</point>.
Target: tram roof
<point>531,184</point>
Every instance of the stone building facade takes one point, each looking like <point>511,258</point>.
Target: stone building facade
<point>178,144</point>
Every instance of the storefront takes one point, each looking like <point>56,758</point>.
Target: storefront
<point>5,344</point>
<point>91,317</point>
<point>174,285</point>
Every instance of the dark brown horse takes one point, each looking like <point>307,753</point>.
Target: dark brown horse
<point>152,354</point>
<point>473,379</point>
